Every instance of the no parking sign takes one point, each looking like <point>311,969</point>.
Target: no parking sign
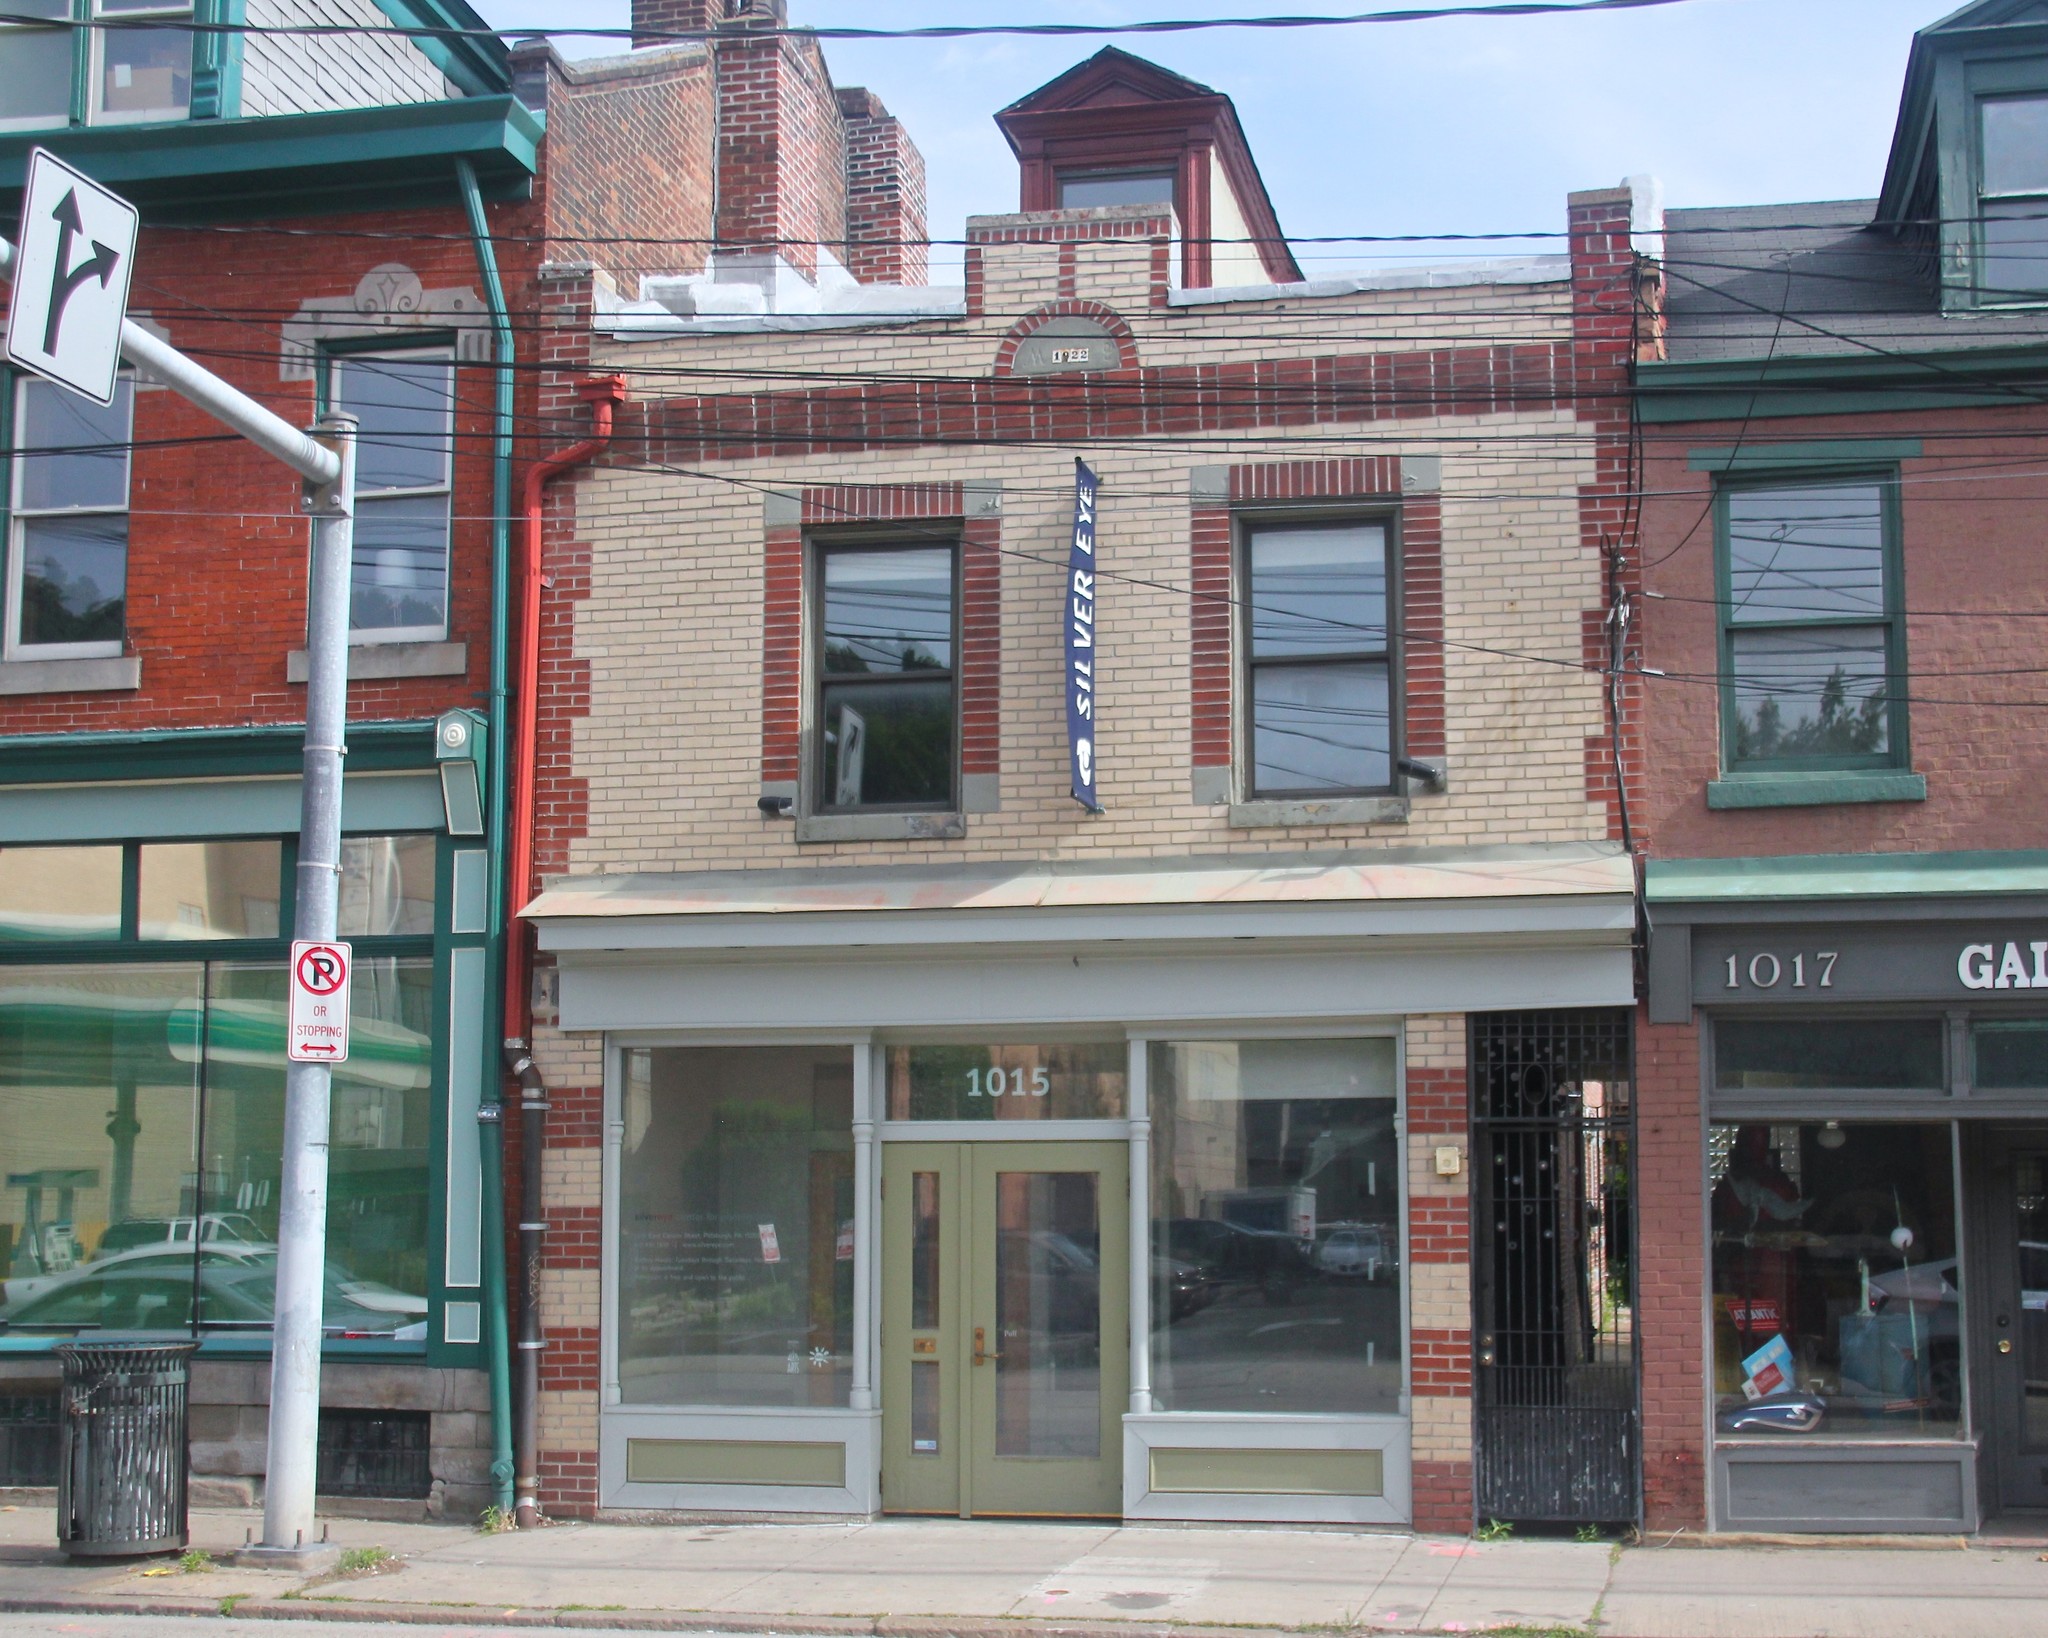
<point>318,1029</point>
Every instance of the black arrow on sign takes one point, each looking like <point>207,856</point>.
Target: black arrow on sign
<point>100,265</point>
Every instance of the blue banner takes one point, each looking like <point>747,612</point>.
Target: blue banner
<point>1082,649</point>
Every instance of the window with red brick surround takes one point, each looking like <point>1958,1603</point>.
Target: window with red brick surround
<point>942,510</point>
<point>1419,537</point>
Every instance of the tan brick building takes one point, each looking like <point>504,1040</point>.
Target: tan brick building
<point>923,1140</point>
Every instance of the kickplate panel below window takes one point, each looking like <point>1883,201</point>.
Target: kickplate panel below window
<point>1554,1356</point>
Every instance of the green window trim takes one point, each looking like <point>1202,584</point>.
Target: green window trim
<point>1778,459</point>
<point>440,947</point>
<point>1897,754</point>
<point>1815,789</point>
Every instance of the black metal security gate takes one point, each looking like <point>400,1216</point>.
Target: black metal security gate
<point>1554,1366</point>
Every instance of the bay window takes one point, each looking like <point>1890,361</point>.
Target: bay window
<point>129,74</point>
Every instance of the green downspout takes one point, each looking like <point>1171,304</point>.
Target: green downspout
<point>497,1345</point>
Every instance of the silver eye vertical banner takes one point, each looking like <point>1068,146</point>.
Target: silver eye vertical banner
<point>1083,649</point>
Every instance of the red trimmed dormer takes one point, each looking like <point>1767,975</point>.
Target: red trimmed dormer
<point>1118,130</point>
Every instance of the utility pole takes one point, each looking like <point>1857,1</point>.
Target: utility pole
<point>326,460</point>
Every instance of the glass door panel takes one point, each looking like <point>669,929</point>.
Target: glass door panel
<point>1005,1351</point>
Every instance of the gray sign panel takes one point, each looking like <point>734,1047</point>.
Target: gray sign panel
<point>1947,961</point>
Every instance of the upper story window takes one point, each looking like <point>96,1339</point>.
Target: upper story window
<point>1320,657</point>
<point>67,557</point>
<point>405,459</point>
<point>96,76</point>
<point>1812,633</point>
<point>1080,189</point>
<point>2013,198</point>
<point>888,694</point>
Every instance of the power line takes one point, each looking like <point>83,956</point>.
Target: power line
<point>943,31</point>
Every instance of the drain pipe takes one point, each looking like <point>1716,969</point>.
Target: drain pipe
<point>603,396</point>
<point>490,1109</point>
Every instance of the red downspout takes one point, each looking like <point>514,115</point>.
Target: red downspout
<point>603,396</point>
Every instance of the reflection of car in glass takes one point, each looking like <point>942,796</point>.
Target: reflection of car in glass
<point>1354,1251</point>
<point>151,1289</point>
<point>1231,1254</point>
<point>1187,1288</point>
<point>151,1231</point>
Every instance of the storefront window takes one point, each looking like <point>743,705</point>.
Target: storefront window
<point>736,1224</point>
<point>1276,1226</point>
<point>1836,1291</point>
<point>141,1120</point>
<point>2011,1055</point>
<point>209,889</point>
<point>54,895</point>
<point>1831,1054</point>
<point>1008,1082</point>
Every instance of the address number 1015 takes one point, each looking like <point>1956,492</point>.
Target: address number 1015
<point>1765,971</point>
<point>996,1082</point>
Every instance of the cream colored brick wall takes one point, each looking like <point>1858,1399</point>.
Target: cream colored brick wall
<point>1439,1296</point>
<point>1441,1429</point>
<point>572,1177</point>
<point>1423,1182</point>
<point>568,1060</point>
<point>672,635</point>
<point>569,1298</point>
<point>568,1419</point>
<point>1435,1041</point>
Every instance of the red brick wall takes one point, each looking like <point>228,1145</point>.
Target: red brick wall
<point>1440,1233</point>
<point>217,545</point>
<point>885,195</point>
<point>781,149</point>
<point>630,157</point>
<point>1971,510</point>
<point>1671,1290</point>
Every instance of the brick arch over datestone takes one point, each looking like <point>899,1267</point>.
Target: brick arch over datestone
<point>1067,325</point>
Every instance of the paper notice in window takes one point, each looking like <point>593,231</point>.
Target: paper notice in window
<point>771,1248</point>
<point>1768,1370</point>
<point>842,1248</point>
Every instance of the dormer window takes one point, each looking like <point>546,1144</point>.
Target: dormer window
<point>2013,198</point>
<point>129,75</point>
<point>1082,189</point>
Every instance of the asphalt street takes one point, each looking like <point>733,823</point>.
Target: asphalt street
<point>214,1626</point>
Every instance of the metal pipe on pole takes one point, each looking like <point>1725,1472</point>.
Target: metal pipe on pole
<point>326,460</point>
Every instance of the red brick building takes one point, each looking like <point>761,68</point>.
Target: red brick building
<point>372,223</point>
<point>1841,1075</point>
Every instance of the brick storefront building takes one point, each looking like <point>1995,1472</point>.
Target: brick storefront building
<point>1840,1072</point>
<point>923,1141</point>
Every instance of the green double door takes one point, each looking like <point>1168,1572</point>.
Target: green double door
<point>1005,1327</point>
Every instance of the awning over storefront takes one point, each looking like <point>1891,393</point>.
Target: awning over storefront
<point>1301,934</point>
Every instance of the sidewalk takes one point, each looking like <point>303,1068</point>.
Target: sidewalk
<point>924,1577</point>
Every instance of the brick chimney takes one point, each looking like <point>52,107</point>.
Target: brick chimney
<point>799,164</point>
<point>652,19</point>
<point>885,219</point>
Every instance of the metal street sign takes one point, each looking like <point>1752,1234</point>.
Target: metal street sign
<point>71,281</point>
<point>317,1032</point>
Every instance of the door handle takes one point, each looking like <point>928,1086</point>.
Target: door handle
<point>981,1354</point>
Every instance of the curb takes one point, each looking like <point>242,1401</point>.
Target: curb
<point>588,1620</point>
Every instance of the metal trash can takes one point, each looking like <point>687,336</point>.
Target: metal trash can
<point>122,1461</point>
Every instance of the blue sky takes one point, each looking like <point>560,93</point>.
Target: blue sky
<point>1458,126</point>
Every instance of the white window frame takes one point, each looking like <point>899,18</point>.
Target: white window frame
<point>14,648</point>
<point>164,11</point>
<point>444,351</point>
<point>94,43</point>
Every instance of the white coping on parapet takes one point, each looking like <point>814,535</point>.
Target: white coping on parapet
<point>1430,276</point>
<point>870,306</point>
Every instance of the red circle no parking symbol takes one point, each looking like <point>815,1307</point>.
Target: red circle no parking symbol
<point>322,969</point>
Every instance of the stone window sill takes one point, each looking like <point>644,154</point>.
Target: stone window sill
<point>371,661</point>
<point>116,672</point>
<point>1340,810</point>
<point>880,827</point>
<point>1813,790</point>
